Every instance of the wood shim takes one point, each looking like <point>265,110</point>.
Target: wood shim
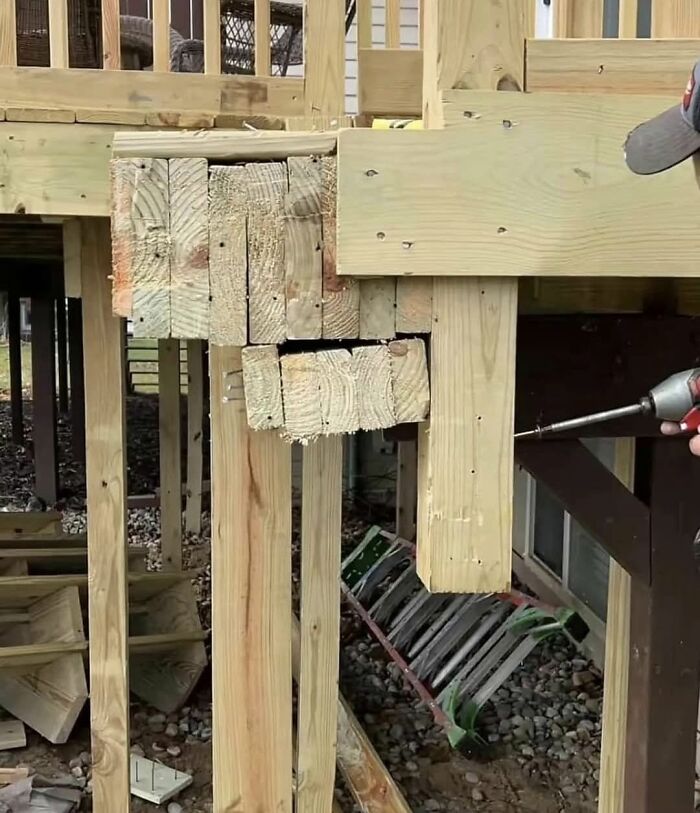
<point>189,247</point>
<point>228,256</point>
<point>336,391</point>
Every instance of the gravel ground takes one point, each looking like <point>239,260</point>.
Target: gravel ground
<point>542,732</point>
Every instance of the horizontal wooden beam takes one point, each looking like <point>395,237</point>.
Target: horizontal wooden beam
<point>390,81</point>
<point>594,497</point>
<point>517,185</point>
<point>638,66</point>
<point>84,89</point>
<point>229,145</point>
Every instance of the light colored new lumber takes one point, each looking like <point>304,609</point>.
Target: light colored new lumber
<point>341,297</point>
<point>574,171</point>
<point>170,453</point>
<point>409,376</point>
<point>390,81</point>
<point>377,308</point>
<point>40,115</point>
<point>174,118</point>
<point>267,184</point>
<point>21,523</point>
<point>212,36</point>
<point>263,387</point>
<point>406,489</point>
<point>370,783</point>
<point>617,657</point>
<point>58,33</point>
<point>300,392</point>
<point>189,247</point>
<point>25,657</point>
<point>324,57</point>
<point>675,18</point>
<point>392,23</point>
<point>8,33</point>
<point>414,305</point>
<point>626,66</point>
<point>338,392</point>
<point>129,117</point>
<point>195,432</point>
<point>228,256</point>
<point>303,249</point>
<point>628,19</point>
<point>262,38</point>
<point>161,36</point>
<point>578,18</point>
<point>111,39</point>
<point>320,623</point>
<point>251,602</point>
<point>364,23</point>
<point>141,244</point>
<point>106,504</point>
<point>464,458</point>
<point>71,257</point>
<point>375,395</point>
<point>224,145</point>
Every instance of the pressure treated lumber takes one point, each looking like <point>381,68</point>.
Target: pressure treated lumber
<point>263,387</point>
<point>338,392</point>
<point>375,393</point>
<point>377,308</point>
<point>45,442</point>
<point>674,18</point>
<point>106,505</point>
<point>320,623</point>
<point>390,81</point>
<point>324,57</point>
<point>409,377</point>
<point>490,227</point>
<point>169,402</point>
<point>195,432</point>
<point>302,413</point>
<point>631,66</point>
<point>251,605</point>
<point>19,523</point>
<point>578,18</point>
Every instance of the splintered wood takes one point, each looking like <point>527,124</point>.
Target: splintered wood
<point>244,254</point>
<point>330,392</point>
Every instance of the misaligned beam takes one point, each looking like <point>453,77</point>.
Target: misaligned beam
<point>15,347</point>
<point>44,400</point>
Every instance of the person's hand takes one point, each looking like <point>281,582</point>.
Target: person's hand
<point>669,428</point>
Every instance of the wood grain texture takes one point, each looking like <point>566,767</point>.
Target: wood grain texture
<point>338,392</point>
<point>392,24</point>
<point>211,10</point>
<point>409,376</point>
<point>628,19</point>
<point>322,498</point>
<point>263,387</point>
<point>324,57</point>
<point>617,657</point>
<point>389,81</point>
<point>189,247</point>
<point>170,453</point>
<point>414,305</point>
<point>267,185</point>
<point>111,39</point>
<point>302,401</point>
<point>635,66</point>
<point>375,395</point>
<point>341,297</point>
<point>262,38</point>
<point>578,18</point>
<point>8,33</point>
<point>675,18</point>
<point>228,256</point>
<point>58,33</point>
<point>602,212</point>
<point>303,255</point>
<point>377,308</point>
<point>252,604</point>
<point>106,503</point>
<point>161,36</point>
<point>195,432</point>
<point>141,244</point>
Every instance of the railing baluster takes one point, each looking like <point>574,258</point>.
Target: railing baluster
<point>111,50</point>
<point>421,21</point>
<point>161,35</point>
<point>392,24</point>
<point>364,23</point>
<point>58,33</point>
<point>263,46</point>
<point>212,36</point>
<point>8,33</point>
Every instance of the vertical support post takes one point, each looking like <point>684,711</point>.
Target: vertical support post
<point>324,57</point>
<point>15,341</point>
<point>663,679</point>
<point>195,432</point>
<point>8,33</point>
<point>251,602</point>
<point>58,33</point>
<point>406,489</point>
<point>169,429</point>
<point>44,400</point>
<point>62,355</point>
<point>212,36</point>
<point>466,458</point>
<point>617,659</point>
<point>322,498</point>
<point>106,511</point>
<point>111,36</point>
<point>161,36</point>
<point>77,386</point>
<point>262,38</point>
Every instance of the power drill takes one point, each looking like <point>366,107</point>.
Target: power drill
<point>676,399</point>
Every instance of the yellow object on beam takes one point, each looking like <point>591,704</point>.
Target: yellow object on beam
<point>397,124</point>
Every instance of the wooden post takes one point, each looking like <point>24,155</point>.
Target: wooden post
<point>15,340</point>
<point>406,489</point>
<point>62,355</point>
<point>44,400</point>
<point>106,510</point>
<point>77,387</point>
<point>170,453</point>
<point>663,680</point>
<point>195,432</point>
<point>466,458</point>
<point>251,602</point>
<point>324,57</point>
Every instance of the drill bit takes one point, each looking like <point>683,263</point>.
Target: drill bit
<point>644,406</point>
